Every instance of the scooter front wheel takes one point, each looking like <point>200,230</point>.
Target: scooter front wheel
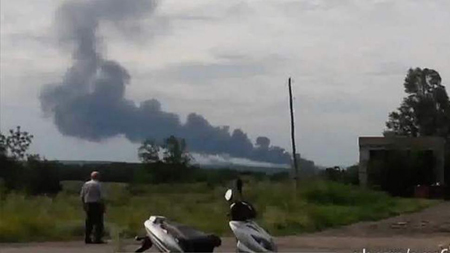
<point>145,245</point>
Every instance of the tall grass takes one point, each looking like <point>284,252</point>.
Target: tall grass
<point>315,206</point>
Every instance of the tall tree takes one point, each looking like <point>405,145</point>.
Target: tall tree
<point>16,144</point>
<point>148,152</point>
<point>176,151</point>
<point>425,111</point>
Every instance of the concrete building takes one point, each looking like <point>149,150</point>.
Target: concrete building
<point>368,145</point>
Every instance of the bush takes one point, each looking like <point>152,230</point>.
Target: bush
<point>338,194</point>
<point>43,177</point>
<point>33,176</point>
<point>346,176</point>
<point>12,173</point>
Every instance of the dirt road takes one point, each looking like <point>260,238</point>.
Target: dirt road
<point>285,244</point>
<point>425,231</point>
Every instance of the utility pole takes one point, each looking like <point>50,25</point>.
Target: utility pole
<point>291,106</point>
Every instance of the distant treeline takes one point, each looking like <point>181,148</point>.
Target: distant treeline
<point>157,173</point>
<point>160,172</point>
<point>44,177</point>
<point>29,173</point>
<point>110,172</point>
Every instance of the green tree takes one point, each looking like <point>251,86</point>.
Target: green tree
<point>176,152</point>
<point>148,152</point>
<point>3,150</point>
<point>20,170</point>
<point>16,144</point>
<point>425,111</point>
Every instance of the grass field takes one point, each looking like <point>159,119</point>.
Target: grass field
<point>317,205</point>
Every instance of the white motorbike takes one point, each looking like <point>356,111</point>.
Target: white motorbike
<point>168,236</point>
<point>249,235</point>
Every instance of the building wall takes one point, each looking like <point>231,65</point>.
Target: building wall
<point>436,144</point>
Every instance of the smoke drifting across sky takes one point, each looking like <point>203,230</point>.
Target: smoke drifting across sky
<point>89,103</point>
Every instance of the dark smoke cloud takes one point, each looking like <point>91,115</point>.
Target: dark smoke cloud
<point>89,102</point>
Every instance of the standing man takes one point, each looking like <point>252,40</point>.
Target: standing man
<point>93,204</point>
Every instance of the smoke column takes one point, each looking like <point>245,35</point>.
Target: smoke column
<point>89,101</point>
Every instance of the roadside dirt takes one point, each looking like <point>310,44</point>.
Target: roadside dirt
<point>425,231</point>
<point>431,221</point>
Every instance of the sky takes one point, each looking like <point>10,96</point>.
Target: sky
<point>230,60</point>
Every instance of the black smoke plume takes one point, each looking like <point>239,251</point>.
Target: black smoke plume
<point>89,102</point>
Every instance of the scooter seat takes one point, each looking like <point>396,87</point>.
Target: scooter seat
<point>191,239</point>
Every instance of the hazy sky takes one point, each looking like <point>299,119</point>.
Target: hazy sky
<point>230,60</point>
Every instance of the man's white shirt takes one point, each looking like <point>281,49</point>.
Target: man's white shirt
<point>91,192</point>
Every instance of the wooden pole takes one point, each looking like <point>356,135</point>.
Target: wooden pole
<point>291,106</point>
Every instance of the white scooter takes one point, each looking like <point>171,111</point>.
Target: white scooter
<point>169,236</point>
<point>249,235</point>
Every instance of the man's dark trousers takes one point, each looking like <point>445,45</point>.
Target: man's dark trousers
<point>94,218</point>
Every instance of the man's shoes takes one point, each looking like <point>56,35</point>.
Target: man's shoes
<point>88,241</point>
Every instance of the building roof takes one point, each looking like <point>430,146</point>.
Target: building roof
<point>425,142</point>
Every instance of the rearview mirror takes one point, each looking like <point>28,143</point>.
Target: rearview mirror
<point>229,194</point>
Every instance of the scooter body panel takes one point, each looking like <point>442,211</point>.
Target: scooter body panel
<point>160,238</point>
<point>251,237</point>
